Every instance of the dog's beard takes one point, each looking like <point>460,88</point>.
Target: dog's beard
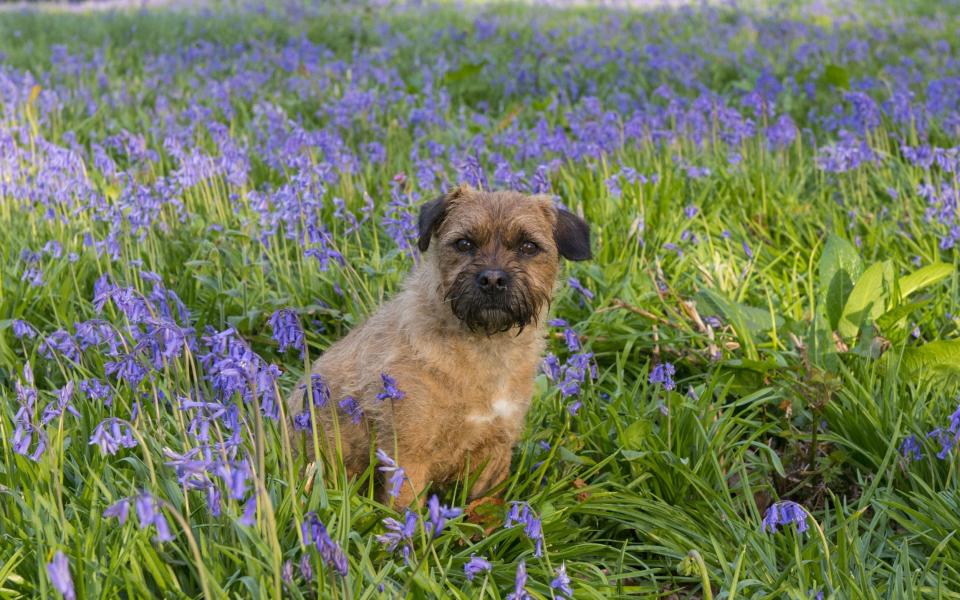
<point>517,307</point>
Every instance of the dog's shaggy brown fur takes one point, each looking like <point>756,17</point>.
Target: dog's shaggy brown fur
<point>462,339</point>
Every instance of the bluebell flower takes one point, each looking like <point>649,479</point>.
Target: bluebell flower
<point>521,514</point>
<point>61,342</point>
<point>23,329</point>
<point>575,284</point>
<point>520,582</point>
<point>390,389</point>
<point>572,339</point>
<point>947,442</point>
<point>315,532</point>
<point>784,513</point>
<point>395,471</point>
<point>249,516</point>
<point>306,569</point>
<point>213,500</point>
<point>287,330</point>
<point>662,374</point>
<point>60,405</point>
<point>59,571</point>
<point>119,509</point>
<point>561,583</point>
<point>302,422</point>
<point>551,367</point>
<point>352,408</point>
<point>319,390</point>
<point>111,435</point>
<point>910,448</point>
<point>438,515</point>
<point>475,566</point>
<point>128,369</point>
<point>149,512</point>
<point>400,534</point>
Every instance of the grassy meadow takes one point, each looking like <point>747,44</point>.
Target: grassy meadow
<point>751,390</point>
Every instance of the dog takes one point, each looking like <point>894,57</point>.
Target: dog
<point>441,376</point>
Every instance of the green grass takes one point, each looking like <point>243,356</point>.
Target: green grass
<point>644,492</point>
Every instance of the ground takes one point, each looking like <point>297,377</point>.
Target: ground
<point>751,389</point>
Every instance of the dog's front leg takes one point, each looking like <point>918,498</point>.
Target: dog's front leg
<point>412,492</point>
<point>495,471</point>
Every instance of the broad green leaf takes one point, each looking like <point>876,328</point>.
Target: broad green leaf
<point>868,300</point>
<point>935,359</point>
<point>757,320</point>
<point>924,277</point>
<point>633,437</point>
<point>840,267</point>
<point>465,71</point>
<point>836,76</point>
<point>892,321</point>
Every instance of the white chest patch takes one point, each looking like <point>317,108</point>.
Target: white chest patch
<point>502,408</point>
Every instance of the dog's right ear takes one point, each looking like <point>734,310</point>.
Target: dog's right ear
<point>433,212</point>
<point>431,215</point>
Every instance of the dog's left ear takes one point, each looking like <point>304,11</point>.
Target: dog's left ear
<point>431,215</point>
<point>572,236</point>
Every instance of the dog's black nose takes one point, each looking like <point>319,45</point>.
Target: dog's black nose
<point>493,280</point>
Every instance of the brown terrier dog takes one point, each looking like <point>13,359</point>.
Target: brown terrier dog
<point>462,340</point>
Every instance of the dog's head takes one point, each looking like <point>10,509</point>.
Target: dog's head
<point>498,253</point>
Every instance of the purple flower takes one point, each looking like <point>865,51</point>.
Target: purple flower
<point>551,367</point>
<point>946,441</point>
<point>319,390</point>
<point>97,390</point>
<point>249,516</point>
<point>62,342</point>
<point>61,404</point>
<point>438,515</point>
<point>59,571</point>
<point>910,448</point>
<point>34,275</point>
<point>521,514</point>
<point>287,330</point>
<point>782,133</point>
<point>390,389</point>
<point>475,566</point>
<point>150,513</point>
<point>352,408</point>
<point>396,472</point>
<point>784,513</point>
<point>561,583</point>
<point>662,374</point>
<point>519,593</point>
<point>112,434</point>
<point>315,532</point>
<point>846,155</point>
<point>23,329</point>
<point>305,568</point>
<point>119,509</point>
<point>574,283</point>
<point>400,533</point>
<point>128,368</point>
<point>301,422</point>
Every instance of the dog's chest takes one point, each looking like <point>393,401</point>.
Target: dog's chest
<point>502,408</point>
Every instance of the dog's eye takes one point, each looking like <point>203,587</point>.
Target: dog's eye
<point>529,248</point>
<point>464,245</point>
